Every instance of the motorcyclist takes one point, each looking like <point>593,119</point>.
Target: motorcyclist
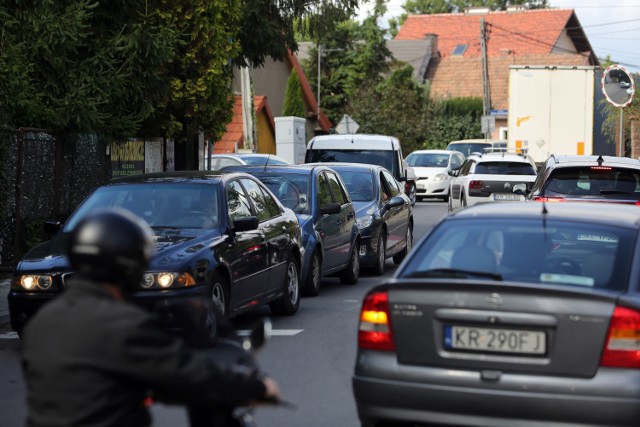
<point>90,358</point>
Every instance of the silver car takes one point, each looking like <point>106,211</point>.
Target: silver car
<point>508,314</point>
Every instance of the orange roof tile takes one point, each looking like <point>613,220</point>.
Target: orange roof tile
<point>227,142</point>
<point>523,32</point>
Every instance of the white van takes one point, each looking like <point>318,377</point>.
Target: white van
<point>380,150</point>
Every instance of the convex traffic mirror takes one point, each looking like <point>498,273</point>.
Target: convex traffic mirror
<point>618,86</point>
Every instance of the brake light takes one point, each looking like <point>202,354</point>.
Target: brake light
<point>548,199</point>
<point>637,203</point>
<point>476,185</point>
<point>601,168</point>
<point>374,332</point>
<point>622,349</point>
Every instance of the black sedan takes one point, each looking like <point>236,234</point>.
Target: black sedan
<point>383,213</point>
<point>219,236</point>
<point>510,314</point>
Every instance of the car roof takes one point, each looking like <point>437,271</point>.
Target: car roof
<point>470,141</point>
<point>601,213</point>
<point>506,157</point>
<point>305,168</point>
<point>593,159</point>
<point>354,142</point>
<point>447,152</point>
<point>177,176</point>
<point>349,166</point>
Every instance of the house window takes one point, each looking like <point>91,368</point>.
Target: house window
<point>459,50</point>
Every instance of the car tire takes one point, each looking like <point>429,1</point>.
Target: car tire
<point>289,302</point>
<point>312,286</point>
<point>463,201</point>
<point>450,205</point>
<point>351,273</point>
<point>381,254</point>
<point>412,195</point>
<point>445,198</point>
<point>220,293</point>
<point>398,258</point>
<point>419,199</point>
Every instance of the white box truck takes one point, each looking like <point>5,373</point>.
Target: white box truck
<point>552,111</point>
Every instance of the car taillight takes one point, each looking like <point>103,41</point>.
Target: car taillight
<point>622,349</point>
<point>476,185</point>
<point>374,332</point>
<point>637,203</point>
<point>548,199</point>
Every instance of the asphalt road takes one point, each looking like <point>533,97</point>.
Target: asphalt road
<point>311,355</point>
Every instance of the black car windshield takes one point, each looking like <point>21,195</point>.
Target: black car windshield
<point>263,160</point>
<point>527,250</point>
<point>359,184</point>
<point>598,181</point>
<point>160,205</point>
<point>292,189</point>
<point>370,157</point>
<point>428,160</point>
<point>505,168</point>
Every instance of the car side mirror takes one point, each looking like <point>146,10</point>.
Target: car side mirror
<point>395,202</point>
<point>245,224</point>
<point>520,189</point>
<point>51,227</point>
<point>330,209</point>
<point>453,172</point>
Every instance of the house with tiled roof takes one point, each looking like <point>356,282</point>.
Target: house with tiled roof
<point>233,139</point>
<point>269,83</point>
<point>516,36</point>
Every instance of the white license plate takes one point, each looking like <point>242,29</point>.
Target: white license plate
<point>507,197</point>
<point>494,340</point>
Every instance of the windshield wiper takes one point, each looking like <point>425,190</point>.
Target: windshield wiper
<point>455,273</point>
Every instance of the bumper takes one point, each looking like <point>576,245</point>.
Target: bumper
<point>462,398</point>
<point>432,188</point>
<point>367,251</point>
<point>23,305</point>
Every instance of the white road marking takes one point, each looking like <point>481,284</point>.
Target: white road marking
<point>9,336</point>
<point>275,332</point>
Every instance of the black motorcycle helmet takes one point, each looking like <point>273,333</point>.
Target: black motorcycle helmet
<point>111,246</point>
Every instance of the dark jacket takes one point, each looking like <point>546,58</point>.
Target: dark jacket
<point>89,360</point>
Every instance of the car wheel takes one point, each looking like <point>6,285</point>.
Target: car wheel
<point>350,275</point>
<point>397,259</point>
<point>289,302</point>
<point>219,293</point>
<point>463,201</point>
<point>445,198</point>
<point>312,287</point>
<point>419,199</point>
<point>450,205</point>
<point>381,253</point>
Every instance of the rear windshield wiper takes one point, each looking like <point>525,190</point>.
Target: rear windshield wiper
<point>454,273</point>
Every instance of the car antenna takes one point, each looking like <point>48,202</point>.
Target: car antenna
<point>267,162</point>
<point>600,160</point>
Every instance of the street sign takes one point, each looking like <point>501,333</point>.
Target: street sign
<point>347,125</point>
<point>488,124</point>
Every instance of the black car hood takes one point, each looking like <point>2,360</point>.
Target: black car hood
<point>173,248</point>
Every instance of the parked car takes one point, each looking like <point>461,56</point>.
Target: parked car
<point>219,161</point>
<point>381,150</point>
<point>383,214</point>
<point>432,171</point>
<point>588,178</point>
<point>470,146</point>
<point>222,236</point>
<point>491,177</point>
<point>330,236</point>
<point>508,315</point>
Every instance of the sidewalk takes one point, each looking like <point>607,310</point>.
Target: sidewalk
<point>4,306</point>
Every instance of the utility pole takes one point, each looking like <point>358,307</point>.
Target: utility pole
<point>486,97</point>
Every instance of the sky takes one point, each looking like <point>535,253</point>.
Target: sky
<point>612,26</point>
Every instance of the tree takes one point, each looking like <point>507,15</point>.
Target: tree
<point>82,66</point>
<point>293,98</point>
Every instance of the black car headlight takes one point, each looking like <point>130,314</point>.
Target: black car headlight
<point>166,280</point>
<point>33,282</point>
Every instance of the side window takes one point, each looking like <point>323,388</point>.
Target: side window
<point>324,193</point>
<point>385,192</point>
<point>339,195</point>
<point>466,167</point>
<point>456,161</point>
<point>239,206</point>
<point>272,205</point>
<point>258,198</point>
<point>394,189</point>
<point>227,162</point>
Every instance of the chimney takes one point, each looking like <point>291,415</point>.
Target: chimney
<point>433,38</point>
